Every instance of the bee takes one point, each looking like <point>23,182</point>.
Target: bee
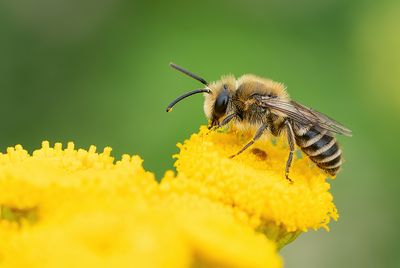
<point>263,105</point>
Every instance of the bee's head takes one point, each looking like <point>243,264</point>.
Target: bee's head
<point>218,95</point>
<point>218,103</point>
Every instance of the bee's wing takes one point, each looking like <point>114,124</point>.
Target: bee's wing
<point>322,120</point>
<point>305,116</point>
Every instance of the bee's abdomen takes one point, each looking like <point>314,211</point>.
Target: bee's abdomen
<point>321,148</point>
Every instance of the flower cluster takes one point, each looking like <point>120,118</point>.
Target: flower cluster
<point>65,207</point>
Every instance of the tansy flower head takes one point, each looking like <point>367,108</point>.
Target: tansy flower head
<point>52,177</point>
<point>254,182</point>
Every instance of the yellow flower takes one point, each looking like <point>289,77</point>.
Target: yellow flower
<point>254,184</point>
<point>67,207</point>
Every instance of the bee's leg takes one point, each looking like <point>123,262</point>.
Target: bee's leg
<point>227,119</point>
<point>291,141</point>
<point>215,124</point>
<point>258,134</point>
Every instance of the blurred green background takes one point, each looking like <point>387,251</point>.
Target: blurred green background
<point>96,72</point>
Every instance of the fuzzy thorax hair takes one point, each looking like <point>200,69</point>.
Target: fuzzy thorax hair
<point>243,88</point>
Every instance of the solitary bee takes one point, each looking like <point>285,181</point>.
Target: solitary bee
<point>264,105</point>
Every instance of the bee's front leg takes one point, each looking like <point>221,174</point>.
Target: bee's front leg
<point>258,134</point>
<point>215,123</point>
<point>227,119</point>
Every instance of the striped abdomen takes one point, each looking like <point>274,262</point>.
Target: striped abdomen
<point>322,149</point>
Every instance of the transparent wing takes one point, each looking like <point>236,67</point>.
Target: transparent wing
<point>304,115</point>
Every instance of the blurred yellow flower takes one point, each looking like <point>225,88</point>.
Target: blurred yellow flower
<point>67,207</point>
<point>253,184</point>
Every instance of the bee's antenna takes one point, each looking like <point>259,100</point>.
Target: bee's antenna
<point>169,108</point>
<point>192,75</point>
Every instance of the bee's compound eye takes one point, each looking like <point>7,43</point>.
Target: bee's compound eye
<point>221,103</point>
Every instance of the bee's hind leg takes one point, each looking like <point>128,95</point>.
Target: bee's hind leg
<point>291,141</point>
<point>258,134</point>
